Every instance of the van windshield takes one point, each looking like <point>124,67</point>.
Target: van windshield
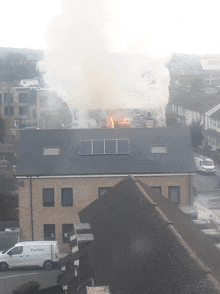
<point>7,249</point>
<point>207,162</point>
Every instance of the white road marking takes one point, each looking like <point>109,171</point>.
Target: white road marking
<point>18,275</point>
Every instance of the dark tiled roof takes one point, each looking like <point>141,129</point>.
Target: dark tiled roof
<point>199,244</point>
<point>137,251</point>
<point>192,65</point>
<point>196,101</point>
<point>185,67</point>
<point>216,115</point>
<point>178,159</point>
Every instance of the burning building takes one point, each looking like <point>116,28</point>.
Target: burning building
<point>81,65</point>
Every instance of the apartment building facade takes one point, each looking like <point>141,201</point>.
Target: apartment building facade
<point>20,107</point>
<point>60,172</point>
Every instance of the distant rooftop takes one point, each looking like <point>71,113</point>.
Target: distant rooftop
<point>210,64</point>
<point>181,64</point>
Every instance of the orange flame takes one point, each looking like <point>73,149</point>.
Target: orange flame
<point>111,122</point>
<point>121,122</point>
<point>126,121</point>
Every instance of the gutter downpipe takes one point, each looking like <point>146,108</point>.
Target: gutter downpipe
<point>32,224</point>
<point>190,189</point>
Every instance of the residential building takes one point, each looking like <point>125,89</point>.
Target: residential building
<point>194,72</point>
<point>29,106</point>
<point>18,106</point>
<point>194,93</point>
<point>60,172</point>
<point>209,120</point>
<point>142,243</point>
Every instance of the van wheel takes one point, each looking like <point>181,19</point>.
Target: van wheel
<point>3,266</point>
<point>48,265</point>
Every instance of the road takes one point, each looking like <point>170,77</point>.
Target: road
<point>11,279</point>
<point>208,191</point>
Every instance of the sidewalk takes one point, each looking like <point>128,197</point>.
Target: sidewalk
<point>204,213</point>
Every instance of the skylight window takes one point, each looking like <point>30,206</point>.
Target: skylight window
<point>104,146</point>
<point>110,146</point>
<point>98,146</point>
<point>85,147</point>
<point>158,149</point>
<point>47,151</point>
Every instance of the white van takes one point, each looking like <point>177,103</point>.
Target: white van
<point>30,253</point>
<point>205,165</point>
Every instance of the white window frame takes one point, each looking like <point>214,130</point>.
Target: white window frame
<point>47,151</point>
<point>158,149</point>
<point>125,139</point>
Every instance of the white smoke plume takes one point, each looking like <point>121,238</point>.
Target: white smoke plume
<point>82,66</point>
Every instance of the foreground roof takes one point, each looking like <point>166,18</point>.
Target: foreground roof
<point>143,243</point>
<point>174,156</point>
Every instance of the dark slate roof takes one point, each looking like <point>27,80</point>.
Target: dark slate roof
<point>185,67</point>
<point>178,159</point>
<point>216,115</point>
<point>191,65</point>
<point>196,101</point>
<point>136,250</point>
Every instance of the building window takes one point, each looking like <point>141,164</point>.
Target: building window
<point>48,197</point>
<point>23,110</point>
<point>103,190</point>
<point>49,232</point>
<point>51,151</point>
<point>110,146</point>
<point>98,147</point>
<point>11,112</point>
<point>23,97</point>
<point>158,149</point>
<point>8,98</point>
<point>174,194</point>
<point>67,196</point>
<point>157,188</point>
<point>66,229</point>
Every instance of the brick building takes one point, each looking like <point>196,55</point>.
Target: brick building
<point>62,171</point>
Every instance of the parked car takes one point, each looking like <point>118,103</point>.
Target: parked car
<point>205,165</point>
<point>30,253</point>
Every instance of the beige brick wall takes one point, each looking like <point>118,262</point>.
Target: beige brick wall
<point>85,191</point>
<point>166,181</point>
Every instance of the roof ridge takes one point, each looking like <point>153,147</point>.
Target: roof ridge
<point>180,239</point>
